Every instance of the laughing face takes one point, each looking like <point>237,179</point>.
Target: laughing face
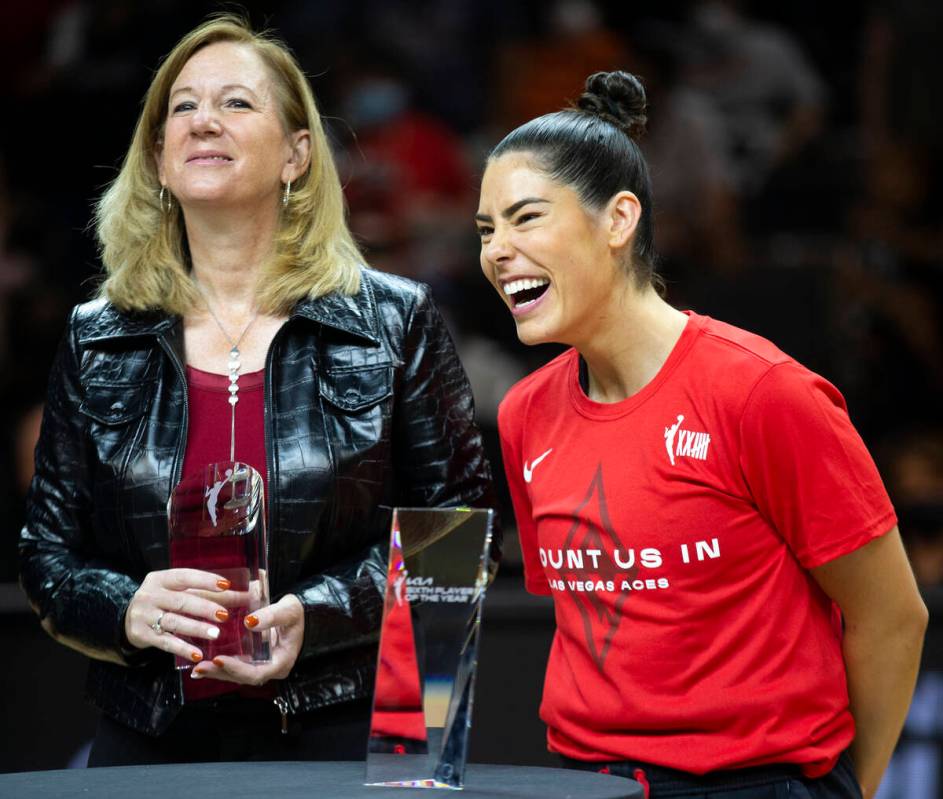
<point>224,142</point>
<point>548,256</point>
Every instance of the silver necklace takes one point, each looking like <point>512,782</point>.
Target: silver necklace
<point>235,364</point>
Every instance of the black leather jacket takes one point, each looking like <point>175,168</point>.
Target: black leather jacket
<point>366,407</point>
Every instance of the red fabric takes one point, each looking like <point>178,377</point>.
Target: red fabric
<point>691,635</point>
<point>208,440</point>
<point>397,699</point>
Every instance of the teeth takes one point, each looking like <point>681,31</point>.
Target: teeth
<point>526,283</point>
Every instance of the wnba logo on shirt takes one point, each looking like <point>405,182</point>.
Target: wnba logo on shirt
<point>685,443</point>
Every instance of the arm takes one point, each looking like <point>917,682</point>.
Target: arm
<point>885,621</point>
<point>79,599</point>
<point>827,501</point>
<point>84,601</point>
<point>438,462</point>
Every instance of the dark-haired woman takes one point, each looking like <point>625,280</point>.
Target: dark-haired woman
<point>735,612</point>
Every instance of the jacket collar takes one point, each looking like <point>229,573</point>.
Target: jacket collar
<point>356,315</point>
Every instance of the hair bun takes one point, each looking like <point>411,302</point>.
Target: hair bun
<point>619,98</point>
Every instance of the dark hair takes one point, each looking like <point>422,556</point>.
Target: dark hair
<point>592,149</point>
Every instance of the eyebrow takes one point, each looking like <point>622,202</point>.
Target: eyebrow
<point>508,212</point>
<point>226,88</point>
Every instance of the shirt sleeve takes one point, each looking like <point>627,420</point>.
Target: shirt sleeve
<point>510,425</point>
<point>807,468</point>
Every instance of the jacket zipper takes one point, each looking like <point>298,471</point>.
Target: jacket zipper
<point>178,456</point>
<point>280,701</point>
<point>282,704</point>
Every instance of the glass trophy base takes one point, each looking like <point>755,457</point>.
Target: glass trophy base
<point>438,572</point>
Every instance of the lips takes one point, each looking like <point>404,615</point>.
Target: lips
<point>209,158</point>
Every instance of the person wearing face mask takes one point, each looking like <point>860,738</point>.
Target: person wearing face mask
<point>230,272</point>
<point>736,616</point>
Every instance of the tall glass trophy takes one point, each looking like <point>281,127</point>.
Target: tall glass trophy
<point>438,572</point>
<point>217,524</point>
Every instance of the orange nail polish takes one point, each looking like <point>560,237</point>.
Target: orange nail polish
<point>223,585</point>
<point>222,615</point>
<point>251,621</point>
<point>218,662</point>
<point>196,657</point>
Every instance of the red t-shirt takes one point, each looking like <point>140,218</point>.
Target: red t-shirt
<point>208,441</point>
<point>675,530</point>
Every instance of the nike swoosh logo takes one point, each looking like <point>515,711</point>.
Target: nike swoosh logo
<point>529,470</point>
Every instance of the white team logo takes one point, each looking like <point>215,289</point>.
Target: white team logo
<point>685,443</point>
<point>529,469</point>
<point>399,583</point>
<point>212,495</point>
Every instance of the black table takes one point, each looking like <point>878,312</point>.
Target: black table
<point>308,780</point>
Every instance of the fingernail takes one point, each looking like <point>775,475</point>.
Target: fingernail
<point>196,675</point>
<point>219,662</point>
<point>222,615</point>
<point>251,621</point>
<point>223,585</point>
<point>196,657</point>
<point>212,632</point>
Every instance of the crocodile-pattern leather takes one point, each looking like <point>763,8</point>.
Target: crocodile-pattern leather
<point>367,407</point>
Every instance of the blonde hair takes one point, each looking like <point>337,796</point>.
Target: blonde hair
<point>142,246</point>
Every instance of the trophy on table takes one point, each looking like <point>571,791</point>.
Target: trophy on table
<point>437,575</point>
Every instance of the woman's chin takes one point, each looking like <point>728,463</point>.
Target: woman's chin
<point>203,201</point>
<point>531,333</point>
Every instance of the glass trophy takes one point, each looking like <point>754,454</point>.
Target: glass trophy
<point>217,524</point>
<point>422,704</point>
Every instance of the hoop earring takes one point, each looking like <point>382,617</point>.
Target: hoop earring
<point>165,208</point>
<point>287,193</point>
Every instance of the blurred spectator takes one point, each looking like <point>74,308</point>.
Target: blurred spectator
<point>771,98</point>
<point>696,204</point>
<point>889,341</point>
<point>900,93</point>
<point>443,49</point>
<point>24,29</point>
<point>540,74</point>
<point>409,188</point>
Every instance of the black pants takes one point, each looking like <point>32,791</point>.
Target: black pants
<point>233,729</point>
<point>773,782</point>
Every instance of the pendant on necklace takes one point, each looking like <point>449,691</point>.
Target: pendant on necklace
<point>234,365</point>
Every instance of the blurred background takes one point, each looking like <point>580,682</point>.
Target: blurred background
<point>796,152</point>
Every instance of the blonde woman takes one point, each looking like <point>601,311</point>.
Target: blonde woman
<point>225,231</point>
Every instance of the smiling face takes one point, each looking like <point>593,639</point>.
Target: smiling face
<point>551,259</point>
<point>224,143</point>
